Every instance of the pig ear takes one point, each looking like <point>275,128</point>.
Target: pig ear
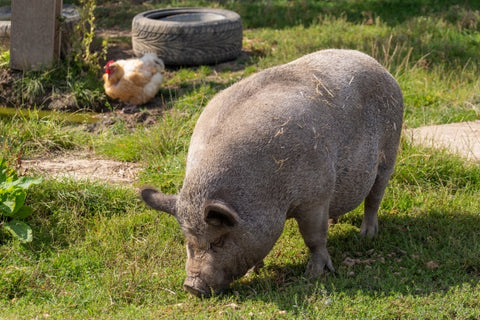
<point>219,214</point>
<point>161,202</point>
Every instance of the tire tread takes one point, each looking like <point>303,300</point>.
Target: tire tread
<point>188,43</point>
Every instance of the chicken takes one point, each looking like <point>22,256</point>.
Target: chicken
<point>134,81</point>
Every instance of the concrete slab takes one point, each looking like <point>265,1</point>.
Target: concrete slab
<point>462,138</point>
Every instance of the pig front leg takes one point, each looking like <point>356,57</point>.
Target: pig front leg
<point>313,225</point>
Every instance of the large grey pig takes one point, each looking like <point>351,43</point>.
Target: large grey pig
<point>308,140</point>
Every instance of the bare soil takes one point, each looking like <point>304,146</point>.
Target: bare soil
<point>82,166</point>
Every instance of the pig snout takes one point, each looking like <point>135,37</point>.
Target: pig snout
<point>202,289</point>
<point>197,287</point>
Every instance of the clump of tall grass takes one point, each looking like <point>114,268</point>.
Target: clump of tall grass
<point>393,56</point>
<point>83,55</point>
<point>35,136</point>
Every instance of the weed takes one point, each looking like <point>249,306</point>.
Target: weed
<point>83,57</point>
<point>13,191</point>
<point>4,59</point>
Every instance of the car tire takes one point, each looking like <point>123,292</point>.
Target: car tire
<point>188,36</point>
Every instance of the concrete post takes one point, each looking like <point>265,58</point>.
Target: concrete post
<point>34,34</point>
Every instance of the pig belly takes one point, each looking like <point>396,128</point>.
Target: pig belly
<point>350,195</point>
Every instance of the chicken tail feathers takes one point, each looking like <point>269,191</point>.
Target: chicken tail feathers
<point>153,60</point>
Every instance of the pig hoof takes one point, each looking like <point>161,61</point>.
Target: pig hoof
<point>316,266</point>
<point>368,230</point>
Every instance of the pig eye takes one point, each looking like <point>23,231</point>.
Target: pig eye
<point>218,243</point>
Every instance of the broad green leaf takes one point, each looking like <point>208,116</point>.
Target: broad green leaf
<point>19,198</point>
<point>26,182</point>
<point>3,170</point>
<point>19,230</point>
<point>23,212</point>
<point>13,202</point>
<point>6,186</point>
<point>6,208</point>
<point>22,183</point>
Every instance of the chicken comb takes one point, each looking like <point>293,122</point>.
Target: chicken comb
<point>109,63</point>
<point>107,68</point>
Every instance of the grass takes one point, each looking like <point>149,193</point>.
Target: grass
<point>99,253</point>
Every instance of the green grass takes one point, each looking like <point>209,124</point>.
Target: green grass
<point>30,134</point>
<point>99,253</point>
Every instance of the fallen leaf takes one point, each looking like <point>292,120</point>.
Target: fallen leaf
<point>349,262</point>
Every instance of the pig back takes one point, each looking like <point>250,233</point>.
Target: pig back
<point>320,125</point>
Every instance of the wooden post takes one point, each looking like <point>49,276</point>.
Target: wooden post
<point>35,33</point>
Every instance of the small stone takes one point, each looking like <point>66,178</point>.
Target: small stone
<point>233,306</point>
<point>432,265</point>
<point>349,262</point>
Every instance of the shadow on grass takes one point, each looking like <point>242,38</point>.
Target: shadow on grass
<point>422,255</point>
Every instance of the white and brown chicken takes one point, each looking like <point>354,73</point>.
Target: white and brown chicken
<point>134,81</point>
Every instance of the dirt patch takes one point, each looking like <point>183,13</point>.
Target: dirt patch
<point>82,166</point>
<point>461,138</point>
<point>128,116</point>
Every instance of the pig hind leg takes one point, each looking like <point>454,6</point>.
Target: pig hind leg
<point>313,225</point>
<point>369,225</point>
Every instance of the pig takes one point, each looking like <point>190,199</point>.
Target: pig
<point>309,140</point>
